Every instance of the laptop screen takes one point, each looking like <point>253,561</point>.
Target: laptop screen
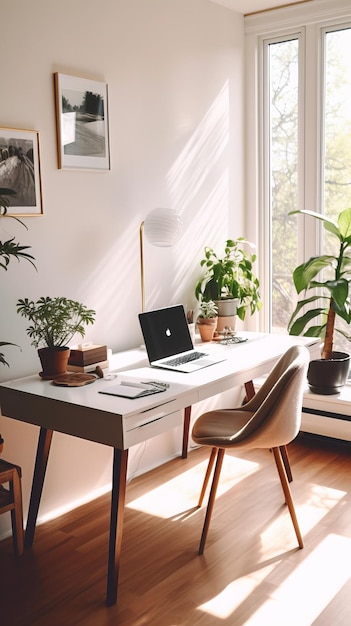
<point>165,332</point>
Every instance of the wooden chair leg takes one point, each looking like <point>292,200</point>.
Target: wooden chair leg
<point>17,514</point>
<point>211,501</point>
<point>211,461</point>
<point>287,493</point>
<point>285,457</point>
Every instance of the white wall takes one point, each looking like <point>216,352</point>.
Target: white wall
<point>174,70</point>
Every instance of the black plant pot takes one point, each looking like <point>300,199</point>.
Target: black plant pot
<point>328,376</point>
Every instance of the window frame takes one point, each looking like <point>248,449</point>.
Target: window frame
<point>309,23</point>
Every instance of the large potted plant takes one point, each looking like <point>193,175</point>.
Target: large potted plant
<point>230,281</point>
<point>53,324</point>
<point>10,249</point>
<point>328,277</point>
<point>207,319</point>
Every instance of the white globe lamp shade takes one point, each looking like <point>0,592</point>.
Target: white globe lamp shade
<point>163,227</point>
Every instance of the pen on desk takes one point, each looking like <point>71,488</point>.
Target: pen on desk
<point>128,383</point>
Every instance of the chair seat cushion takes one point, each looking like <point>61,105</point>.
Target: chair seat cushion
<point>221,428</point>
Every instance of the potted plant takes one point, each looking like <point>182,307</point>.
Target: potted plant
<point>330,300</point>
<point>10,249</point>
<point>230,280</point>
<point>54,322</point>
<point>207,319</point>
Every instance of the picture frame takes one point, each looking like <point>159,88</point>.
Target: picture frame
<point>82,123</point>
<point>20,171</point>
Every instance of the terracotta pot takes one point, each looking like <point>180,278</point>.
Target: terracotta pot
<point>53,361</point>
<point>328,376</point>
<point>229,321</point>
<point>207,327</point>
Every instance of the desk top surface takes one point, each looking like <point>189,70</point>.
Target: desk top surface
<point>242,362</point>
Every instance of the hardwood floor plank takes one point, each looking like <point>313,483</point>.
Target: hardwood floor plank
<point>251,573</point>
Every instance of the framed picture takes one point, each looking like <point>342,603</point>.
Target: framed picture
<point>82,123</point>
<point>20,170</point>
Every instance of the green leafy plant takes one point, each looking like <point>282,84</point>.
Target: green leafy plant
<point>54,321</point>
<point>10,249</point>
<point>331,298</point>
<point>208,309</point>
<point>231,276</point>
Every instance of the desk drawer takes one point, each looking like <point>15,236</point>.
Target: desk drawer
<point>145,426</point>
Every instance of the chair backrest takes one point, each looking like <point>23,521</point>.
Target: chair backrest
<point>278,403</point>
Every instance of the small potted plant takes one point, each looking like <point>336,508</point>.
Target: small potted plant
<point>230,281</point>
<point>10,249</point>
<point>316,315</point>
<point>207,319</point>
<point>54,322</point>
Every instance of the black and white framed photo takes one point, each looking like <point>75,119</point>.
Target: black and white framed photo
<point>82,123</point>
<point>20,170</point>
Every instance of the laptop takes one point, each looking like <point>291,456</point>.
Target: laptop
<point>168,342</point>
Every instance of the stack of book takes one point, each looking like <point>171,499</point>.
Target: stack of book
<point>87,358</point>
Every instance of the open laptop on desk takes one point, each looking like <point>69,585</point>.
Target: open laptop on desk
<point>168,342</point>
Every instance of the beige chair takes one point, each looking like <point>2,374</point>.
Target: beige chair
<point>271,419</point>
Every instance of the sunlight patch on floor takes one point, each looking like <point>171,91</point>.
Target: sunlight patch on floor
<point>320,501</point>
<point>300,598</point>
<point>310,588</point>
<point>182,492</point>
<point>318,504</point>
<point>225,603</point>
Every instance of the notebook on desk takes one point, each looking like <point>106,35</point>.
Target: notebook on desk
<point>168,343</point>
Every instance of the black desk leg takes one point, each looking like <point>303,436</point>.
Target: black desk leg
<point>43,449</point>
<point>186,427</point>
<point>119,479</point>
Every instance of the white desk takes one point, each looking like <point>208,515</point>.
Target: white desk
<point>121,423</point>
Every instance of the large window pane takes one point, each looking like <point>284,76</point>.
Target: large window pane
<point>283,149</point>
<point>337,122</point>
<point>336,179</point>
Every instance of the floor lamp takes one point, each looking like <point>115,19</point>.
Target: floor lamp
<point>161,228</point>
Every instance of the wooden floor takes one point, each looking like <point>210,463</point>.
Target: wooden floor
<point>251,573</point>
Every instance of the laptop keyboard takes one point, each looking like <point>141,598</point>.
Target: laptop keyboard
<point>186,358</point>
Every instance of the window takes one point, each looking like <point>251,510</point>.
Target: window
<point>282,102</point>
<point>303,95</point>
<point>337,121</point>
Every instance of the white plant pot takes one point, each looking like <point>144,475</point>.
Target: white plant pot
<point>227,307</point>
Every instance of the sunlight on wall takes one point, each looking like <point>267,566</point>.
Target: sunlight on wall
<point>65,508</point>
<point>198,185</point>
<point>201,154</point>
<point>212,221</point>
<point>198,188</point>
<point>171,499</point>
<point>104,283</point>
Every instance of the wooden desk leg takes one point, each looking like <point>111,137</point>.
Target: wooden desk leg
<point>250,390</point>
<point>43,449</point>
<point>186,427</point>
<point>119,478</point>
